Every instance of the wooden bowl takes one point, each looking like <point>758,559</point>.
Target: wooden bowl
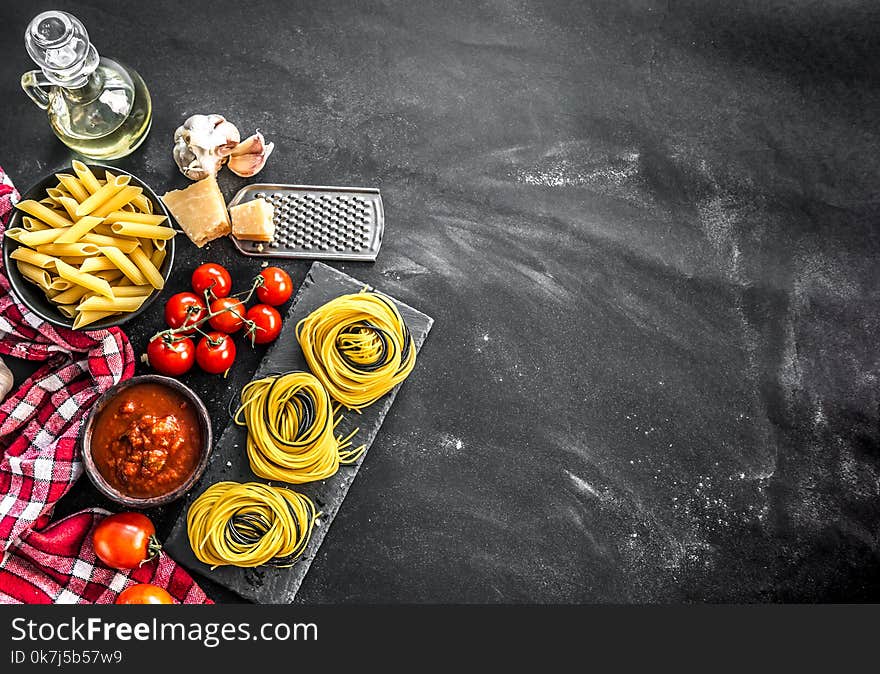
<point>88,427</point>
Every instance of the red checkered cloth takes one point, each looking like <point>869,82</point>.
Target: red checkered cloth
<point>58,565</point>
<point>38,460</point>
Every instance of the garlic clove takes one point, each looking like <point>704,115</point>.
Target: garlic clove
<point>247,165</point>
<point>249,157</point>
<point>195,172</point>
<point>201,144</point>
<point>6,380</point>
<point>252,145</point>
<point>229,134</point>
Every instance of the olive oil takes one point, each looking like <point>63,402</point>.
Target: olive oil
<point>97,106</point>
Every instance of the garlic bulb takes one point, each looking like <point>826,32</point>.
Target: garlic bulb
<point>250,155</point>
<point>6,381</point>
<point>202,143</point>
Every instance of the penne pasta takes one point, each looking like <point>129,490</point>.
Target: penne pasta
<point>60,284</point>
<point>55,194</point>
<point>132,291</point>
<point>31,256</point>
<point>150,273</point>
<point>32,224</point>
<point>34,274</point>
<point>73,294</point>
<point>39,238</point>
<point>87,178</point>
<point>41,212</point>
<point>73,185</point>
<point>69,249</point>
<point>110,275</point>
<point>93,244</point>
<point>97,263</point>
<point>142,203</point>
<point>117,201</point>
<point>80,228</point>
<point>84,318</point>
<point>126,304</point>
<point>103,229</point>
<point>125,245</point>
<point>140,218</point>
<point>85,280</point>
<point>102,196</point>
<point>15,233</point>
<point>147,246</point>
<point>125,265</point>
<point>67,310</point>
<point>142,231</point>
<point>158,258</point>
<point>70,204</point>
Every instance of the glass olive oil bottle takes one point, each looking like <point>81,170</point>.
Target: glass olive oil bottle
<point>97,106</point>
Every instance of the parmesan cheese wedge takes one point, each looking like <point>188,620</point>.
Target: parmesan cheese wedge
<point>200,210</point>
<point>252,221</point>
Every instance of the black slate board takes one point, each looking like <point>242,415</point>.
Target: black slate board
<point>229,459</point>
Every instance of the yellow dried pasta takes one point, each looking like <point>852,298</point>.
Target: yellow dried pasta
<point>89,237</point>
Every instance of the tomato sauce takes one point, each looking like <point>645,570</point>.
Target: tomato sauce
<point>147,441</point>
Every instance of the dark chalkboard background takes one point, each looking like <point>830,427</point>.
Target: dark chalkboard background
<point>648,234</point>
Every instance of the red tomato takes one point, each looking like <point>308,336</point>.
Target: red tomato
<point>184,309</point>
<point>144,593</point>
<point>125,540</point>
<point>215,352</point>
<point>267,323</point>
<point>230,315</point>
<point>213,277</point>
<point>277,286</point>
<point>171,356</point>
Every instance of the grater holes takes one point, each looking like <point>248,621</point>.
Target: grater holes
<point>322,224</point>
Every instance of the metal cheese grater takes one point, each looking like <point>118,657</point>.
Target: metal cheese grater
<point>318,223</point>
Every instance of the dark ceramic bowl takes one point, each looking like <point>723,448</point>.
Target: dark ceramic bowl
<point>34,298</point>
<point>88,427</point>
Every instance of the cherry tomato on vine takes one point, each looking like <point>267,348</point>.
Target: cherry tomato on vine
<point>184,309</point>
<point>171,356</point>
<point>267,323</point>
<point>125,540</point>
<point>230,315</point>
<point>213,277</point>
<point>215,353</point>
<point>144,593</point>
<point>276,288</point>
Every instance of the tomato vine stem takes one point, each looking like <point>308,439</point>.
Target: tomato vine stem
<point>171,335</point>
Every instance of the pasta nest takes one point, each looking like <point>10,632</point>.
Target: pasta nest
<point>358,346</point>
<point>250,524</point>
<point>291,426</point>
